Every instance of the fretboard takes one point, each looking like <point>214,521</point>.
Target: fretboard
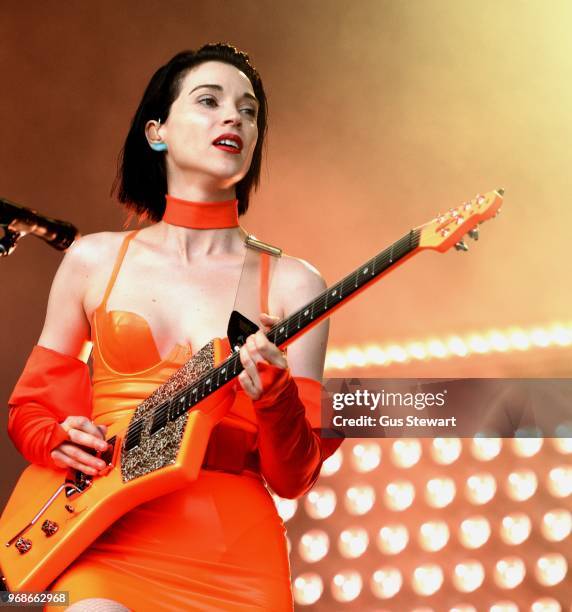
<point>281,334</point>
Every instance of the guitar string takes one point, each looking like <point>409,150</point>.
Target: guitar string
<point>161,411</point>
<point>390,255</point>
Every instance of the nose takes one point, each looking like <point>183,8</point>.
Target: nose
<point>232,117</point>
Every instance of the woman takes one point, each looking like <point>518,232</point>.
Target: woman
<point>148,300</point>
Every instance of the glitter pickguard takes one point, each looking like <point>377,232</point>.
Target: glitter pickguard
<point>161,449</point>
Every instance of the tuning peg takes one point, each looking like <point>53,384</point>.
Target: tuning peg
<point>474,233</point>
<point>461,246</point>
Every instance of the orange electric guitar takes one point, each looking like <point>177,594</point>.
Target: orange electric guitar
<point>53,515</point>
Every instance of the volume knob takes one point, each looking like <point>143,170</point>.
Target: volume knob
<point>49,528</point>
<point>23,545</point>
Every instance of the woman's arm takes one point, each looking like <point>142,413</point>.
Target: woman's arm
<point>51,402</point>
<point>288,407</point>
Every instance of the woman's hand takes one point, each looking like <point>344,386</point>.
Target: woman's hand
<point>81,432</point>
<point>258,348</point>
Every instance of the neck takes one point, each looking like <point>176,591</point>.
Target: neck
<point>201,228</point>
<point>188,243</point>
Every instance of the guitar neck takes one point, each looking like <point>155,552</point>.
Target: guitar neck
<point>287,330</point>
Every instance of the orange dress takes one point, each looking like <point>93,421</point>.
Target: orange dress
<point>218,544</point>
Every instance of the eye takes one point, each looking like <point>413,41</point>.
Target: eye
<point>249,111</point>
<point>208,101</point>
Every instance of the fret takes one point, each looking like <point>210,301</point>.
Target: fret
<point>179,406</point>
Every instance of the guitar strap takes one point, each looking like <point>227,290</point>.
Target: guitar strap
<point>253,289</point>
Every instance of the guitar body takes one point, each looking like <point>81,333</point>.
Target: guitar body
<point>84,506</point>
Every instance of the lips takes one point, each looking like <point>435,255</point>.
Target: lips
<point>231,143</point>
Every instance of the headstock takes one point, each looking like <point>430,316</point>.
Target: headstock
<point>448,229</point>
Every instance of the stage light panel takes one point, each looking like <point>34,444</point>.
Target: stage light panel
<point>550,569</point>
<point>427,579</point>
<point>433,535</point>
<point>556,524</point>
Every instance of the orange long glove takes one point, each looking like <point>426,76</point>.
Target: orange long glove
<point>289,443</point>
<point>51,387</point>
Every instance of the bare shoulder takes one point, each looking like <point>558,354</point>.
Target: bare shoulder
<point>92,249</point>
<point>298,282</point>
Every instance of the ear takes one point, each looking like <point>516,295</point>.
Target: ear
<point>152,132</point>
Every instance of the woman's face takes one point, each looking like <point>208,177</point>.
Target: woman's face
<point>212,130</point>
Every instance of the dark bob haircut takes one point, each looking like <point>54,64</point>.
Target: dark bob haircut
<point>141,182</point>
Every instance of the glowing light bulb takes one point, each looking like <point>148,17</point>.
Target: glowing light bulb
<point>353,542</point>
<point>406,453</point>
<point>346,585</point>
<point>485,449</point>
<point>562,445</point>
<point>445,450</point>
<point>551,569</point>
<point>560,481</point>
<point>521,484</point>
<point>556,525</point>
<point>332,464</point>
<point>366,456</point>
<point>386,582</point>
<point>474,531</point>
<point>308,588</point>
<point>433,535</point>
<point>509,572</point>
<point>468,576</point>
<point>286,507</point>
<point>515,528</point>
<point>359,499</point>
<point>440,492</point>
<point>320,502</point>
<point>480,488</point>
<point>399,495</point>
<point>427,579</point>
<point>504,606</point>
<point>545,604</point>
<point>314,545</point>
<point>392,539</point>
<point>526,447</point>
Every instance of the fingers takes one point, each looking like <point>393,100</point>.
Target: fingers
<point>82,432</point>
<point>70,456</point>
<point>268,320</point>
<point>257,348</point>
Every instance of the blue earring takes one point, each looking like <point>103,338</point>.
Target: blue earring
<point>158,146</point>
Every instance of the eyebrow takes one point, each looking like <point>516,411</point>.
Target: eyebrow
<point>220,88</point>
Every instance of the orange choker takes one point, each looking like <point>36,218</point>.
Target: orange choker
<point>201,215</point>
